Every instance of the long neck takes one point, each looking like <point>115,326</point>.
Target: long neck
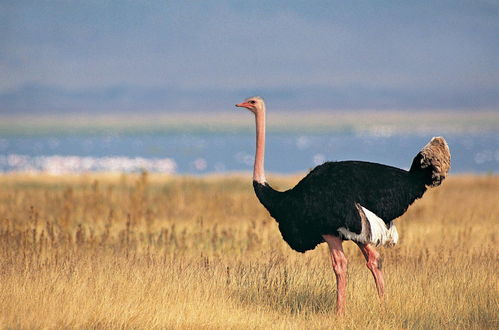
<point>258,168</point>
<point>265,193</point>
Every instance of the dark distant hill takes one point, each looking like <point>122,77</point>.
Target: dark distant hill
<point>48,99</point>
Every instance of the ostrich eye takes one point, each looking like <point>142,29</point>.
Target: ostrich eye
<point>252,102</point>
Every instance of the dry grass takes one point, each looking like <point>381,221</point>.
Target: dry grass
<point>145,251</point>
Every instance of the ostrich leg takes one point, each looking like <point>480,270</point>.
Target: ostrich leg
<point>374,263</point>
<point>339,262</point>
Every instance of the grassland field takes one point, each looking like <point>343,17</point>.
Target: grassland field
<point>152,251</point>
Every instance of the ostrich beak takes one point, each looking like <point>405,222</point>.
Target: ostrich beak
<point>243,105</point>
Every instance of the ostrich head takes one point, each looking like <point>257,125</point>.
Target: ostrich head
<point>254,104</point>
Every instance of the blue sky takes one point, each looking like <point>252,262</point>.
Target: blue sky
<point>180,55</point>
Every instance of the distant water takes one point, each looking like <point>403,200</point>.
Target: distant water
<point>225,152</point>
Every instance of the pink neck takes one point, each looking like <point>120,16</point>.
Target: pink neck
<point>258,170</point>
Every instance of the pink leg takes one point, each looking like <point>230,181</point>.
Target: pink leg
<point>340,269</point>
<point>374,263</point>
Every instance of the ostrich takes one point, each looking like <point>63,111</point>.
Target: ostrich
<point>346,200</point>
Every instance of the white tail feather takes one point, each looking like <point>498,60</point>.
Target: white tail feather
<point>377,234</point>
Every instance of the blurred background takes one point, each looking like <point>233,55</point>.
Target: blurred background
<point>125,86</point>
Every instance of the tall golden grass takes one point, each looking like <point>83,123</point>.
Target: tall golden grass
<point>149,251</point>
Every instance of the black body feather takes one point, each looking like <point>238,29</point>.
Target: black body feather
<point>325,199</point>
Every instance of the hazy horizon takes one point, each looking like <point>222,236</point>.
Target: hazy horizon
<point>201,143</point>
